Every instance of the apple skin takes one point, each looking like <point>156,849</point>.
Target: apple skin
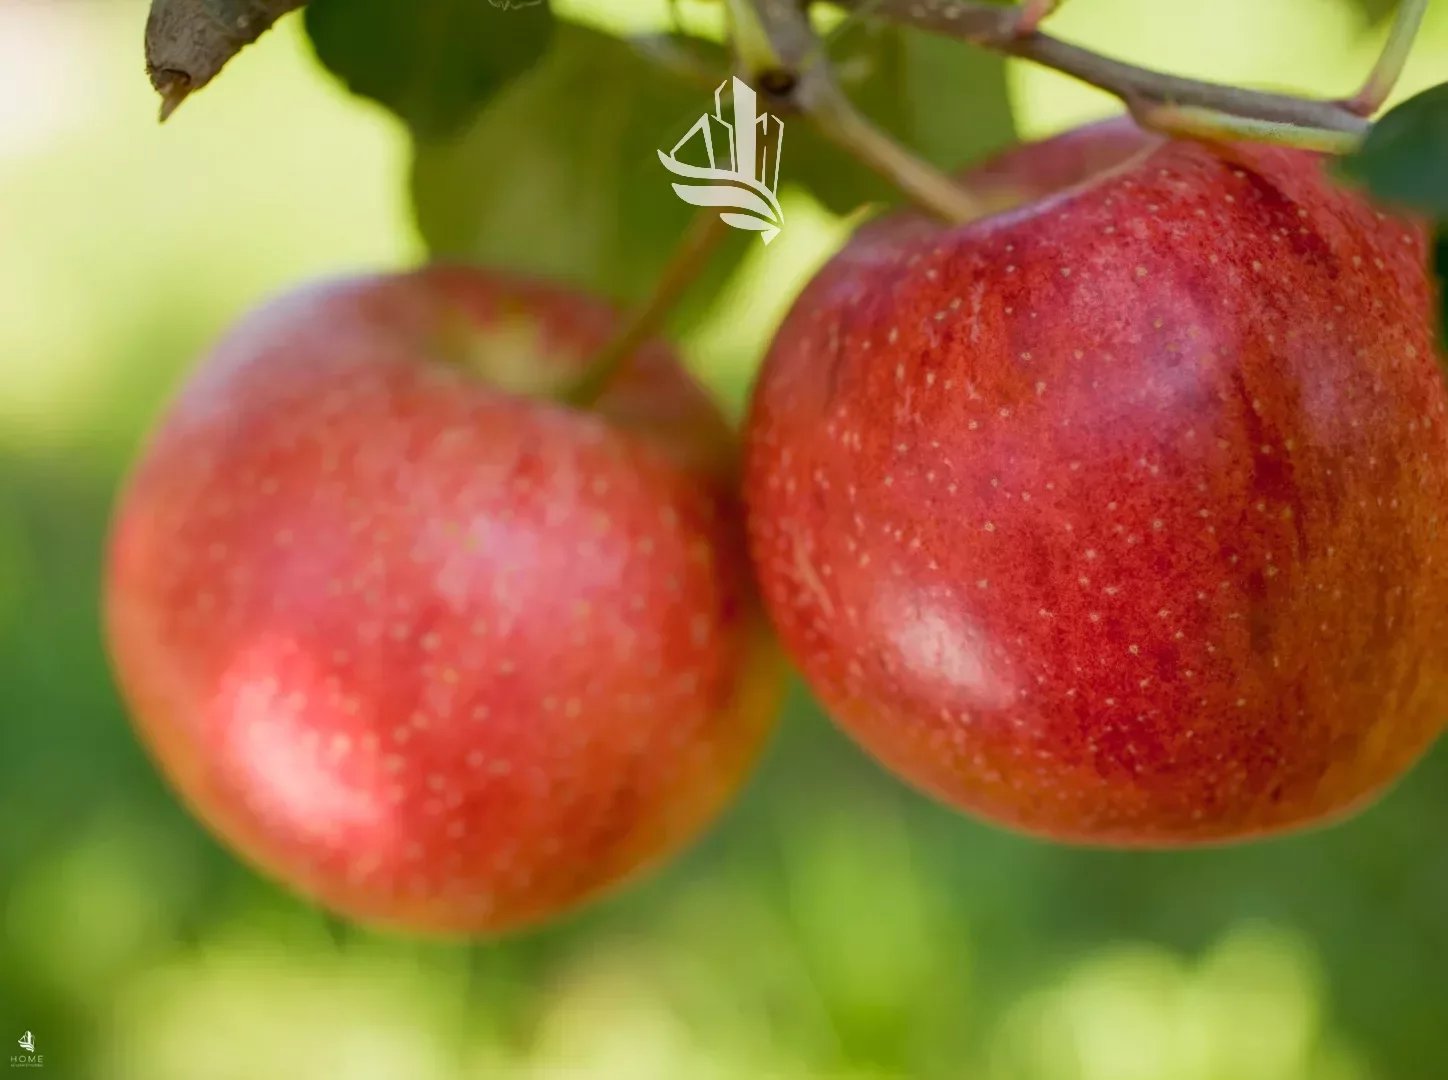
<point>440,655</point>
<point>1117,517</point>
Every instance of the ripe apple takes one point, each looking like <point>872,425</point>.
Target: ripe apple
<point>1118,516</point>
<point>416,638</point>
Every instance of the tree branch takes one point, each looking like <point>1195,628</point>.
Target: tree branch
<point>189,41</point>
<point>1033,12</point>
<point>1009,30</point>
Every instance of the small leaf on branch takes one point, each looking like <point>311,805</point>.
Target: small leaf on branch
<point>951,103</point>
<point>559,175</point>
<point>435,63</point>
<point>1405,157</point>
<point>1404,160</point>
<point>189,41</point>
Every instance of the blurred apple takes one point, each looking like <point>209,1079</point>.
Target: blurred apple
<point>416,637</point>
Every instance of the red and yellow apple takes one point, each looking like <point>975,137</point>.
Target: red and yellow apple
<point>416,638</point>
<point>1119,516</point>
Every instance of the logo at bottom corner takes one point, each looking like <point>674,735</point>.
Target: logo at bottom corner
<point>29,1059</point>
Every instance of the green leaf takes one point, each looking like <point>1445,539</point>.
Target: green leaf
<point>1405,157</point>
<point>946,101</point>
<point>560,176</point>
<point>434,63</point>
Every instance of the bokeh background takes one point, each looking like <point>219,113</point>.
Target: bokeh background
<point>834,925</point>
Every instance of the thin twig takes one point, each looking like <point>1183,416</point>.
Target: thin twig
<point>802,81</point>
<point>1000,29</point>
<point>685,265</point>
<point>922,182</point>
<point>1133,85</point>
<point>1215,126</point>
<point>1394,57</point>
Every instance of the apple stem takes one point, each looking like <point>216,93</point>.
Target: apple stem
<point>1394,57</point>
<point>930,188</point>
<point>1196,123</point>
<point>687,262</point>
<point>1010,30</point>
<point>800,80</point>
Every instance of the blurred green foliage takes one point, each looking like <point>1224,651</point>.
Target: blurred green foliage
<point>558,174</point>
<point>570,147</point>
<point>835,925</point>
<point>432,62</point>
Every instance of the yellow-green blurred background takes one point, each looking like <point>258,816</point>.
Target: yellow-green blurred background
<point>834,925</point>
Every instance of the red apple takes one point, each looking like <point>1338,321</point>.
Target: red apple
<point>417,639</point>
<point>1118,517</point>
